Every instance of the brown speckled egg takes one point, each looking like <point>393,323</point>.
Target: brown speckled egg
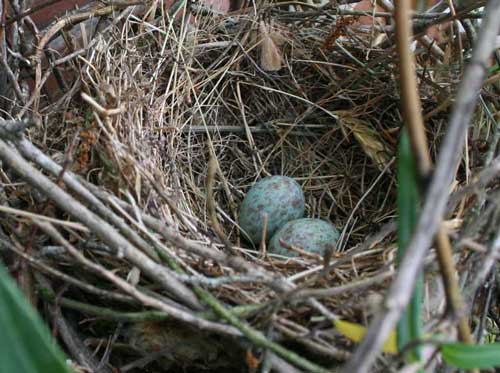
<point>311,235</point>
<point>280,197</point>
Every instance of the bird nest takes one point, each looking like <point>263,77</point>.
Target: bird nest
<point>139,163</point>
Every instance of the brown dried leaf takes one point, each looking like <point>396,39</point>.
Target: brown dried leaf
<point>270,55</point>
<point>252,362</point>
<point>367,137</point>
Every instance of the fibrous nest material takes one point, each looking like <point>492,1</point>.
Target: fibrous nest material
<point>130,234</point>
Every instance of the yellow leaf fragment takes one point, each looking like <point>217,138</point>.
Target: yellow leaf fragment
<point>367,136</point>
<point>356,332</point>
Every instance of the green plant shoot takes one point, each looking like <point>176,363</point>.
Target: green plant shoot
<point>409,327</point>
<point>465,356</point>
<point>25,345</point>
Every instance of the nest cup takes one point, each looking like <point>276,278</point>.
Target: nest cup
<point>256,124</point>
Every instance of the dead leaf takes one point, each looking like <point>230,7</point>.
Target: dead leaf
<point>270,54</point>
<point>367,137</point>
<point>252,362</point>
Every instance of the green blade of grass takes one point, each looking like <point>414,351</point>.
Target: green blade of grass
<point>25,343</point>
<point>466,356</point>
<point>409,326</point>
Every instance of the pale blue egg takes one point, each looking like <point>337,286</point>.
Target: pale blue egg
<point>280,197</point>
<point>311,235</point>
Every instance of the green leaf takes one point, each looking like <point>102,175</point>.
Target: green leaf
<point>25,343</point>
<point>466,356</point>
<point>409,326</point>
<point>493,69</point>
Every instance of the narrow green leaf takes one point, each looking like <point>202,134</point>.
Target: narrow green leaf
<point>25,343</point>
<point>409,326</point>
<point>465,356</point>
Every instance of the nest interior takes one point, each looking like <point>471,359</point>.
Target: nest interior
<point>194,91</point>
<point>165,95</point>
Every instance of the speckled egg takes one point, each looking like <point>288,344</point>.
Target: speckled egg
<point>280,197</point>
<point>311,235</point>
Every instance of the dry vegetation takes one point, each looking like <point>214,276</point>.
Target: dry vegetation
<point>150,100</point>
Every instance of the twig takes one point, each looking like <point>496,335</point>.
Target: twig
<point>483,178</point>
<point>38,264</point>
<point>108,313</point>
<point>280,365</point>
<point>13,128</point>
<point>490,290</point>
<point>50,33</point>
<point>11,76</point>
<point>100,227</point>
<point>35,155</point>
<point>30,215</point>
<point>77,348</point>
<point>260,340</point>
<point>309,343</point>
<point>410,100</point>
<point>99,108</point>
<point>451,287</point>
<point>484,268</point>
<point>468,7</point>
<point>219,281</point>
<point>211,204</point>
<point>177,313</point>
<point>352,286</point>
<point>299,250</point>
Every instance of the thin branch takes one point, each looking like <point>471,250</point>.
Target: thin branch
<point>410,99</point>
<point>177,313</point>
<point>211,204</point>
<point>74,344</point>
<point>260,340</point>
<point>351,286</point>
<point>38,264</point>
<point>100,227</point>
